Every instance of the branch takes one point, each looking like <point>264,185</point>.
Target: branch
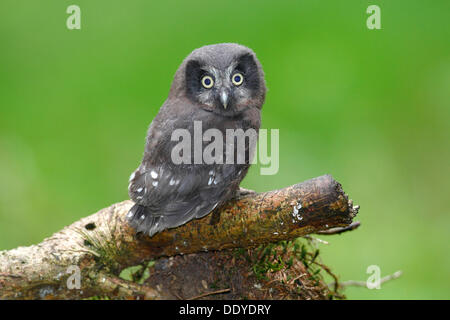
<point>339,230</point>
<point>355,283</point>
<point>102,245</point>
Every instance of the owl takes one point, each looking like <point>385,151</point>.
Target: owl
<point>220,87</point>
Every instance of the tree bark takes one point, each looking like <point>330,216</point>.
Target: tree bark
<point>101,245</point>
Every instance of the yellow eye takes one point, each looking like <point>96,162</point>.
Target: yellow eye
<point>207,82</point>
<point>237,79</point>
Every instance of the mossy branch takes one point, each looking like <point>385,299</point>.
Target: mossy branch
<point>101,245</point>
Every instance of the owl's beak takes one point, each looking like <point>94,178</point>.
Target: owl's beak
<point>224,98</point>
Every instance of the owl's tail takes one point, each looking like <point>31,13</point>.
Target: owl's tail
<point>148,220</point>
<point>143,220</point>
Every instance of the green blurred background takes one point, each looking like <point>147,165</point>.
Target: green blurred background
<point>370,107</point>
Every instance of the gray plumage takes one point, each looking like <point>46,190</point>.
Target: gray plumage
<point>167,195</point>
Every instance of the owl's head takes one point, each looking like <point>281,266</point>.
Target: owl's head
<point>224,78</point>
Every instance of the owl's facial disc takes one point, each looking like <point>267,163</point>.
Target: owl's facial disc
<point>226,90</point>
<point>218,92</point>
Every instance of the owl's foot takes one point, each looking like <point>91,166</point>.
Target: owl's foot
<point>244,192</point>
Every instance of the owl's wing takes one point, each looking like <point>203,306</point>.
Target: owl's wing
<point>169,196</point>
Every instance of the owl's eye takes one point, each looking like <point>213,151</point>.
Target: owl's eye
<point>207,82</point>
<point>237,79</point>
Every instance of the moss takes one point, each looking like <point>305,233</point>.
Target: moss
<point>137,274</point>
<point>280,262</point>
<point>103,246</point>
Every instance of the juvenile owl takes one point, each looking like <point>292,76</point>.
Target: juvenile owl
<point>219,89</point>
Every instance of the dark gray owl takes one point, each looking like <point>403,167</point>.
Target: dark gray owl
<point>221,87</point>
